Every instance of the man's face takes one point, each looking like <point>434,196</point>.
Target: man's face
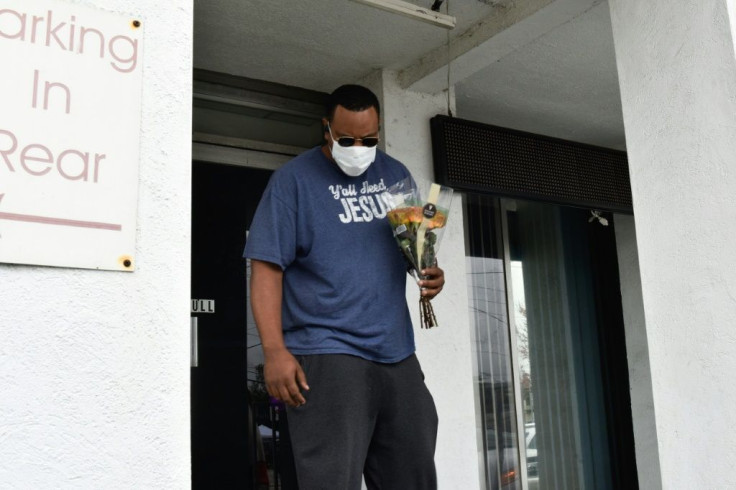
<point>360,124</point>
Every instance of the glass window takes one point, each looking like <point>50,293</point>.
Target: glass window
<point>559,356</point>
<point>492,351</point>
<point>537,358</point>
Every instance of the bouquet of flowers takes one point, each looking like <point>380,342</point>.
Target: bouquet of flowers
<point>418,226</point>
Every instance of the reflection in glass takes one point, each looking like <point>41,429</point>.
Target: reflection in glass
<point>559,372</point>
<point>492,352</point>
<point>551,330</point>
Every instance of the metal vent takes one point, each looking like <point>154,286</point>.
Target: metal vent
<point>479,157</point>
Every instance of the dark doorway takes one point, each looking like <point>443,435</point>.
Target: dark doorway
<point>227,420</point>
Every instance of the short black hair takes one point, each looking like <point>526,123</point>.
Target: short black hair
<point>353,98</point>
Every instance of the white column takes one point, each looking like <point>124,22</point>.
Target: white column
<point>637,351</point>
<point>444,352</point>
<point>94,365</point>
<point>677,74</point>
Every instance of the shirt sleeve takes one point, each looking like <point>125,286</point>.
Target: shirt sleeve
<point>272,234</point>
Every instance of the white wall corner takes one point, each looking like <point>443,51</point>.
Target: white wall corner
<point>374,82</point>
<point>640,378</point>
<point>679,110</point>
<point>731,6</point>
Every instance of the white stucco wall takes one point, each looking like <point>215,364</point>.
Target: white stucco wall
<point>677,74</point>
<point>445,351</point>
<point>637,352</point>
<point>94,369</point>
<point>731,5</point>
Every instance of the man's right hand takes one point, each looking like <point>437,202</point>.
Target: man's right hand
<point>284,377</point>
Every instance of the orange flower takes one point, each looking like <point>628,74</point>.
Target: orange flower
<point>414,215</point>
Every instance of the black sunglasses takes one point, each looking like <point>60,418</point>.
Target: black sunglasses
<point>369,141</point>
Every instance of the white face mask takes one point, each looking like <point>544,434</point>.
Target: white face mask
<point>353,160</point>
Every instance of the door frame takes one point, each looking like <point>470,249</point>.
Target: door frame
<point>240,152</point>
<point>217,149</point>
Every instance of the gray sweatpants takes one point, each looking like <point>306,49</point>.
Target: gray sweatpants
<point>364,417</point>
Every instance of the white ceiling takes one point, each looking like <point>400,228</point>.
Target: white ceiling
<point>552,73</point>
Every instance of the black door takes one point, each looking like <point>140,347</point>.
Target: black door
<point>226,451</point>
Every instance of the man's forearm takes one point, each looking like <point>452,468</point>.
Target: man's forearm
<point>266,296</point>
<point>282,373</point>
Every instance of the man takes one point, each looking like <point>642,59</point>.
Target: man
<point>328,297</point>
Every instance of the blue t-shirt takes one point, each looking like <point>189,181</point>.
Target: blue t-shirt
<point>344,275</point>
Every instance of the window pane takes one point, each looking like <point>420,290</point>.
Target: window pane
<point>566,441</point>
<point>492,353</point>
<point>558,370</point>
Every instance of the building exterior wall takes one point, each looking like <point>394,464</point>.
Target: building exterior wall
<point>677,75</point>
<point>94,366</point>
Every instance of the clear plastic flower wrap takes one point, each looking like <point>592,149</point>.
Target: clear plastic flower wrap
<point>418,224</point>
